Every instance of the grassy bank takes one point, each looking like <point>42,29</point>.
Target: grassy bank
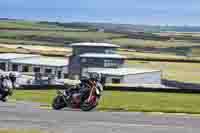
<point>18,131</point>
<point>151,102</point>
<point>183,72</point>
<point>43,96</point>
<point>26,32</point>
<point>139,43</point>
<point>30,25</point>
<point>67,35</point>
<point>128,101</point>
<point>35,49</point>
<point>157,56</point>
<point>23,35</point>
<point>179,47</point>
<point>55,36</point>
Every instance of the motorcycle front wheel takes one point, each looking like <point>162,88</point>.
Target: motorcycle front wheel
<point>58,103</point>
<point>5,99</point>
<point>89,106</point>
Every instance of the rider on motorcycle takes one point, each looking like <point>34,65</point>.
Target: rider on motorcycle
<point>86,85</point>
<point>7,83</point>
<point>4,86</point>
<point>12,78</point>
<point>84,96</point>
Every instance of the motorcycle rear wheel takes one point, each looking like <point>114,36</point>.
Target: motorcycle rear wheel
<point>5,99</point>
<point>85,106</point>
<point>58,103</point>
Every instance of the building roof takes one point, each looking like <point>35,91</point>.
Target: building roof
<point>10,56</point>
<point>97,55</point>
<point>43,61</point>
<point>120,71</point>
<point>89,44</point>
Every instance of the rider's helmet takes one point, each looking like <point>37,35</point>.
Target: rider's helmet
<point>12,76</point>
<point>84,79</point>
<point>6,77</point>
<point>2,77</point>
<point>95,76</point>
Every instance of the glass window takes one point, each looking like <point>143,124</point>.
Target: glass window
<point>36,69</point>
<point>15,67</point>
<point>48,70</point>
<point>84,60</point>
<point>110,51</point>
<point>115,81</point>
<point>3,66</point>
<point>66,75</point>
<point>25,69</point>
<point>109,63</point>
<point>59,74</point>
<point>76,51</point>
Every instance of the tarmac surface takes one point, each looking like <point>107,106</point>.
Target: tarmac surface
<point>24,115</point>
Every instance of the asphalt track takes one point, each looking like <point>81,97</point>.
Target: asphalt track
<point>23,115</point>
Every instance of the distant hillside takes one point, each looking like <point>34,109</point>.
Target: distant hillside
<point>137,37</point>
<point>127,27</point>
<point>109,27</point>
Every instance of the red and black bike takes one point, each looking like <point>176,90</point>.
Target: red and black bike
<point>78,99</point>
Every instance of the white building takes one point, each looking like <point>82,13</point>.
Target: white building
<point>103,58</point>
<point>129,76</point>
<point>5,59</point>
<point>86,58</point>
<point>34,63</point>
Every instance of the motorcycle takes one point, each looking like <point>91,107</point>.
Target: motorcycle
<point>5,93</point>
<point>72,98</point>
<point>6,88</point>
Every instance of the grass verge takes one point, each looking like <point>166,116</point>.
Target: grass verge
<point>29,25</point>
<point>18,131</point>
<point>183,72</point>
<point>159,56</point>
<point>140,43</point>
<point>60,36</point>
<point>42,96</point>
<point>128,101</point>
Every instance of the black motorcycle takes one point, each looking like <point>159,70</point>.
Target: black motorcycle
<point>76,99</point>
<point>5,93</point>
<point>6,87</point>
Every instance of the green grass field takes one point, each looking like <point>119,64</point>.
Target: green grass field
<point>67,35</point>
<point>127,101</point>
<point>33,33</point>
<point>139,43</point>
<point>190,34</point>
<point>29,25</point>
<point>151,55</point>
<point>18,131</point>
<point>29,42</point>
<point>23,25</point>
<point>56,37</point>
<point>159,56</point>
<point>43,96</point>
<point>27,32</point>
<point>183,72</point>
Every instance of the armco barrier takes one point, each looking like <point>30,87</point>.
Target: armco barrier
<point>183,89</point>
<point>42,87</point>
<point>149,89</point>
<point>163,60</point>
<point>181,85</point>
<point>172,86</point>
